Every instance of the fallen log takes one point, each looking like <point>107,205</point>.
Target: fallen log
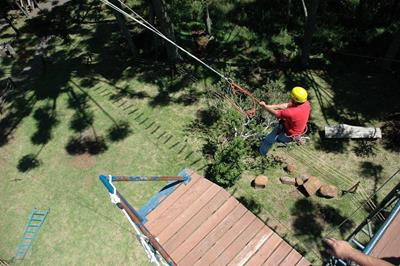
<point>353,132</point>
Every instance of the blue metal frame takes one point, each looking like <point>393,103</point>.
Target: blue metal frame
<point>156,199</point>
<point>163,193</point>
<point>368,249</point>
<point>139,218</point>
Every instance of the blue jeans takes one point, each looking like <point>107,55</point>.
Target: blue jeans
<point>277,134</point>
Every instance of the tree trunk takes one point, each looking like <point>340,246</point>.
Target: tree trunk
<point>159,9</point>
<point>208,22</point>
<point>392,51</point>
<point>124,29</point>
<point>10,24</point>
<point>309,31</point>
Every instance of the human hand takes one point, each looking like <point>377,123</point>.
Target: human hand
<point>339,248</point>
<point>262,103</point>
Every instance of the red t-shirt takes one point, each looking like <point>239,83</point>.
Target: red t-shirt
<point>295,118</point>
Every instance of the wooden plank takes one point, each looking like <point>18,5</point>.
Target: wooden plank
<point>292,259</point>
<point>195,222</point>
<point>162,221</point>
<point>387,246</point>
<point>226,240</point>
<point>251,248</point>
<point>188,213</point>
<point>168,201</point>
<point>212,236</point>
<point>265,250</point>
<point>278,255</point>
<point>240,242</point>
<point>303,262</point>
<point>346,131</point>
<point>204,229</point>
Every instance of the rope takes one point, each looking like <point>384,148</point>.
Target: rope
<point>335,172</point>
<point>359,207</point>
<point>154,30</point>
<point>236,88</point>
<point>233,86</point>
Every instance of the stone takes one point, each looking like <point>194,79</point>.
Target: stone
<point>291,168</point>
<point>329,191</point>
<point>304,178</point>
<point>261,181</point>
<point>279,159</point>
<point>312,185</point>
<point>287,180</point>
<point>299,181</point>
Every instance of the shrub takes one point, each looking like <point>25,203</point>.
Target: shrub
<point>228,164</point>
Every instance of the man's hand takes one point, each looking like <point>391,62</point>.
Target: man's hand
<point>263,104</point>
<point>342,249</point>
<point>339,248</point>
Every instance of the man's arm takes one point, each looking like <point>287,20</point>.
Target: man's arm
<point>342,249</point>
<point>279,106</point>
<point>269,108</point>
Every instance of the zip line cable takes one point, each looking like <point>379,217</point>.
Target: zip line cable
<point>141,21</point>
<point>330,169</point>
<point>233,86</point>
<point>148,26</point>
<point>357,198</point>
<point>359,207</point>
<point>335,172</point>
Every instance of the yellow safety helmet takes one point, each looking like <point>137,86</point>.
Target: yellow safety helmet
<point>299,94</point>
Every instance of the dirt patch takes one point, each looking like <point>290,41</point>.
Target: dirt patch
<point>84,161</point>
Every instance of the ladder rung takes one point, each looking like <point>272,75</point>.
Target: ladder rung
<point>34,225</point>
<point>37,219</point>
<point>358,244</point>
<point>40,213</point>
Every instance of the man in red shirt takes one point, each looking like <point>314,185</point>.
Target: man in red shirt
<point>294,115</point>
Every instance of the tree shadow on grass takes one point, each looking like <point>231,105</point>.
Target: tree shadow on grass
<point>28,162</point>
<point>46,121</point>
<point>391,133</point>
<point>250,204</point>
<point>80,121</point>
<point>86,144</point>
<point>365,148</point>
<point>331,145</point>
<point>312,219</point>
<point>119,131</point>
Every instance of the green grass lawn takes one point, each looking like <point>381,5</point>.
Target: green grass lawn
<point>138,117</point>
<point>83,227</point>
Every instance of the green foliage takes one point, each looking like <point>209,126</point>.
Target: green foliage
<point>284,43</point>
<point>228,164</point>
<point>231,140</point>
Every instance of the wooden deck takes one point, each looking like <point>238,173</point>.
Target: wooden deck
<point>388,246</point>
<point>201,224</point>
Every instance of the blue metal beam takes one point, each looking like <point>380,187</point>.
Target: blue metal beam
<point>368,249</point>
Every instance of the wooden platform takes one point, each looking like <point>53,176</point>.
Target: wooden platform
<point>201,224</point>
<point>388,246</point>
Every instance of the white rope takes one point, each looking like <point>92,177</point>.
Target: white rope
<point>151,28</point>
<point>113,196</point>
<point>142,238</point>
